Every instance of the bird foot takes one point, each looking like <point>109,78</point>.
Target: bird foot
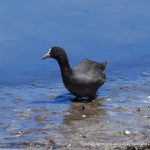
<point>91,98</point>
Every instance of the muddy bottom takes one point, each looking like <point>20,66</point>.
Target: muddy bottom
<point>33,116</point>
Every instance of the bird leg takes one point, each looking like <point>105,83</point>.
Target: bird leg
<point>91,98</point>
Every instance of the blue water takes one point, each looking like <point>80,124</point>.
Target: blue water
<point>117,32</point>
<point>114,31</point>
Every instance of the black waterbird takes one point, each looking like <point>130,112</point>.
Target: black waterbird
<point>84,79</point>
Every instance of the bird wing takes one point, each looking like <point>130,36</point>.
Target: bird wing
<point>90,69</point>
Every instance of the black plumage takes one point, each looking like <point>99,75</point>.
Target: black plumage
<point>82,80</point>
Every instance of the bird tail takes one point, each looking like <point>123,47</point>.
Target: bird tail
<point>103,65</point>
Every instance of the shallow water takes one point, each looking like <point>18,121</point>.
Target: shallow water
<point>36,109</point>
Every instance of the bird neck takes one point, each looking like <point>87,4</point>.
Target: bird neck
<point>64,65</point>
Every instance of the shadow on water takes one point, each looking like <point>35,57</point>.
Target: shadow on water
<point>61,99</point>
<point>80,110</point>
<point>65,99</point>
<point>77,109</point>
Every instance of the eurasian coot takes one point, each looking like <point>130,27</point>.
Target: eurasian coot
<point>82,80</point>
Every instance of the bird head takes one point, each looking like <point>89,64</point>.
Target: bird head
<point>54,52</point>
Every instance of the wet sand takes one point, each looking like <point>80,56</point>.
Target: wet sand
<point>48,118</point>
